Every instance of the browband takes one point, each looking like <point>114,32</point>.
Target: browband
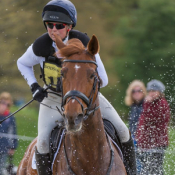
<point>80,61</point>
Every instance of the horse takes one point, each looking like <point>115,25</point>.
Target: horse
<point>86,148</point>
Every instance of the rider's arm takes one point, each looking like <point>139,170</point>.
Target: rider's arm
<point>101,71</point>
<point>25,65</point>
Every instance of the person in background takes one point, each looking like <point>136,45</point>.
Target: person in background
<point>152,131</point>
<point>135,95</point>
<point>8,144</point>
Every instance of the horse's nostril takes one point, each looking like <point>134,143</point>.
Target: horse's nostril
<point>78,119</point>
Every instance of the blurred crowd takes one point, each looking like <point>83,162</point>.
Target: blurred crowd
<point>149,117</point>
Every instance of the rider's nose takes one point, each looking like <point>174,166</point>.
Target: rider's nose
<point>54,28</point>
<point>78,119</point>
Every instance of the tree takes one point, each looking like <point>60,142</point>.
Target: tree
<point>148,45</point>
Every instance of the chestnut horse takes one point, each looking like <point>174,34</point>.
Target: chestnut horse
<point>86,149</point>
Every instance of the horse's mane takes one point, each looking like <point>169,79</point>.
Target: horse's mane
<point>73,46</point>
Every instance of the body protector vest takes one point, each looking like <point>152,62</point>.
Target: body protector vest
<point>51,71</point>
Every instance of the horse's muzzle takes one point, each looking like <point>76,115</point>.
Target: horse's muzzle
<point>73,124</point>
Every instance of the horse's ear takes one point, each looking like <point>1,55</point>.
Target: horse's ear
<point>93,45</point>
<point>59,42</point>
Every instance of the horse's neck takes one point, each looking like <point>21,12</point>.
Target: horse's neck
<point>89,145</point>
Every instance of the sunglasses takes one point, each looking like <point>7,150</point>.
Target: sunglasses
<point>58,26</point>
<point>135,91</point>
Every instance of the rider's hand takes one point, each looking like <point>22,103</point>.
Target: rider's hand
<point>38,92</point>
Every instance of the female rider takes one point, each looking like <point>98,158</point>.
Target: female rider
<point>59,17</point>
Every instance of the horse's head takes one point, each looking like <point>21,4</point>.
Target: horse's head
<point>80,81</point>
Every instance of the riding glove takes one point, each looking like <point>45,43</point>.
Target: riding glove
<point>38,92</point>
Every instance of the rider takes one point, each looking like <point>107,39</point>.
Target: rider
<point>60,17</point>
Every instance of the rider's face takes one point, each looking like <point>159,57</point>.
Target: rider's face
<point>60,32</point>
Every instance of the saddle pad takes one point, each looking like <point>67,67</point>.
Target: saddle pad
<point>55,154</point>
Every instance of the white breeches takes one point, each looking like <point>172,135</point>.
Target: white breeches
<point>50,117</point>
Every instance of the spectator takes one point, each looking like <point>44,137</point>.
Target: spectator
<point>135,95</point>
<point>7,144</point>
<point>152,131</point>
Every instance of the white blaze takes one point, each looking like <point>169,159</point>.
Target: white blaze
<point>77,67</point>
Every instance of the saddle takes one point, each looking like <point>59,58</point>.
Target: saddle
<point>56,137</point>
<point>111,131</point>
<point>58,132</point>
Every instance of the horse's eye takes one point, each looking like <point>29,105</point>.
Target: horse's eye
<point>92,76</point>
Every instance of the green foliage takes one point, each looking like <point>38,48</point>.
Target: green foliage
<point>149,48</point>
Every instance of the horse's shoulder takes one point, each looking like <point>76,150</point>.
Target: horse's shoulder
<point>83,37</point>
<point>25,164</point>
<point>43,45</point>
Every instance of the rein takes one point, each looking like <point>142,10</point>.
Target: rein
<point>73,94</point>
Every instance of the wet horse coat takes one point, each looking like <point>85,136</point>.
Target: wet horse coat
<point>86,149</point>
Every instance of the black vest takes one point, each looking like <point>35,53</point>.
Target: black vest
<point>43,47</point>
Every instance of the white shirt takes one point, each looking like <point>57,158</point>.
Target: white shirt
<point>26,62</point>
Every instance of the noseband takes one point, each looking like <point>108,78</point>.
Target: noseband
<point>73,94</point>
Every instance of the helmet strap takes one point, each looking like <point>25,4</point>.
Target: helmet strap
<point>66,34</point>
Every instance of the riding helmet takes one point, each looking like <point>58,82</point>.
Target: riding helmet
<point>62,11</point>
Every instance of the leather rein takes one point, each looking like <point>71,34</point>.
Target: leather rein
<point>73,94</point>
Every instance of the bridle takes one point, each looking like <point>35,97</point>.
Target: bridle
<point>73,94</point>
